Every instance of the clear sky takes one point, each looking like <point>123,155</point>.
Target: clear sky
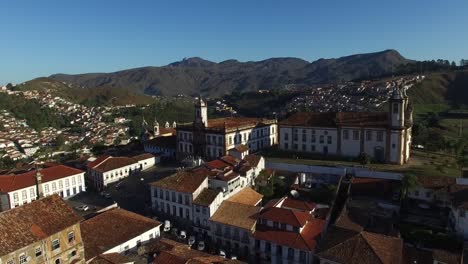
<point>42,37</point>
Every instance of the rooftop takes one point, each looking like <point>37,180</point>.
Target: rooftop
<point>27,224</point>
<point>164,142</point>
<point>206,197</point>
<point>232,123</point>
<point>247,196</point>
<point>285,216</point>
<point>10,183</point>
<point>338,119</point>
<point>143,156</point>
<point>183,181</point>
<point>112,163</point>
<point>112,228</point>
<point>236,214</point>
<point>348,246</point>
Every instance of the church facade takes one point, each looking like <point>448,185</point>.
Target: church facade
<point>384,136</point>
<point>213,138</point>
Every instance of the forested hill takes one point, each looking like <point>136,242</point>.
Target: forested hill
<point>193,76</point>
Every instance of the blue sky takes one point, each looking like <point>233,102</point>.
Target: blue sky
<point>39,38</point>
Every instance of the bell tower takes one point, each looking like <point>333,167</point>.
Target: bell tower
<point>201,112</point>
<point>156,127</point>
<point>397,106</point>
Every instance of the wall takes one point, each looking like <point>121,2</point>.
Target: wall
<point>132,243</point>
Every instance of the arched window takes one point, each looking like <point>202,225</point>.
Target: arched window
<point>57,261</point>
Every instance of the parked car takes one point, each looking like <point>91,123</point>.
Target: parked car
<point>201,245</point>
<point>167,226</point>
<point>83,208</point>
<point>183,234</point>
<point>222,253</point>
<point>191,240</point>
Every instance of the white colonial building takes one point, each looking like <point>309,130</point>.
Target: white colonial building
<point>107,169</point>
<point>19,189</point>
<point>384,136</point>
<point>212,138</point>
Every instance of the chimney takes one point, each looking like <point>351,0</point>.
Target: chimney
<point>39,192</point>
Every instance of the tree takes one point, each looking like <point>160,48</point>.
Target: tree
<point>364,159</point>
<point>408,183</point>
<point>59,140</point>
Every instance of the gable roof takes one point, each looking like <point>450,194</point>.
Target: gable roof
<point>247,196</point>
<point>183,181</point>
<point>253,159</point>
<point>27,224</point>
<point>10,183</point>
<point>113,163</point>
<point>111,228</point>
<point>143,156</point>
<point>285,216</point>
<point>298,204</point>
<point>306,240</point>
<point>348,246</point>
<point>206,197</point>
<point>236,214</point>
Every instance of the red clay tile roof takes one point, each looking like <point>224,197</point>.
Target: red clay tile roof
<point>332,119</point>
<point>97,161</point>
<point>10,183</point>
<point>143,156</point>
<point>236,214</point>
<point>435,182</point>
<point>252,159</point>
<point>27,224</point>
<point>241,148</point>
<point>168,258</point>
<point>206,197</point>
<point>348,246</point>
<point>167,130</point>
<point>247,196</point>
<point>111,228</point>
<point>298,204</point>
<point>285,216</point>
<point>183,181</point>
<point>113,163</point>
<point>110,258</point>
<point>236,122</point>
<point>306,240</point>
<point>230,160</point>
<point>217,164</point>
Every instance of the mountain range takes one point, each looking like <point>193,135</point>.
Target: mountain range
<point>193,76</point>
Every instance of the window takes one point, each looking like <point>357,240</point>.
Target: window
<point>179,196</point>
<point>55,244</point>
<point>32,193</point>
<point>290,253</point>
<point>10,261</point>
<point>355,135</point>
<point>312,138</point>
<point>167,195</point>
<point>24,194</point>
<point>302,256</point>
<point>286,136</point>
<point>295,137</point>
<point>428,194</point>
<point>173,197</point>
<point>73,253</point>
<point>312,147</point>
<point>187,200</point>
<point>46,188</point>
<point>286,146</point>
<point>71,237</point>
<point>275,224</point>
<point>379,136</point>
<point>304,135</point>
<point>369,135</point>
<point>304,147</point>
<point>67,182</point>
<point>257,243</point>
<point>74,181</point>
<point>60,185</point>
<point>279,250</point>
<point>283,226</point>
<point>57,261</point>
<point>23,259</point>
<point>395,108</point>
<point>329,139</point>
<point>321,139</point>
<point>393,145</point>
<point>38,252</point>
<point>345,134</point>
<point>295,146</point>
<point>268,247</point>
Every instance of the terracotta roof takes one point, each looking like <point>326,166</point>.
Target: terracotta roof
<point>298,204</point>
<point>236,214</point>
<point>413,255</point>
<point>306,240</point>
<point>435,182</point>
<point>167,131</point>
<point>10,183</point>
<point>164,142</point>
<point>183,181</point>
<point>97,161</point>
<point>237,122</point>
<point>241,148</point>
<point>111,228</point>
<point>285,216</point>
<point>111,258</point>
<point>335,119</point>
<point>113,163</point>
<point>253,160</point>
<point>206,197</point>
<point>169,258</point>
<point>233,161</point>
<point>143,156</point>
<point>227,176</point>
<point>27,224</point>
<point>348,246</point>
<point>217,164</point>
<point>247,196</point>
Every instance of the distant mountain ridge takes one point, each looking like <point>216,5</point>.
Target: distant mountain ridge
<point>193,76</point>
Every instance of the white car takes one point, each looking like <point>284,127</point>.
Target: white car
<point>191,240</point>
<point>183,234</point>
<point>83,208</point>
<point>222,253</point>
<point>201,245</point>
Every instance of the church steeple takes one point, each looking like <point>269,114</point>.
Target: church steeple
<point>201,112</point>
<point>156,127</point>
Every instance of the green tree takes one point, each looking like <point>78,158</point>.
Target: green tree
<point>408,183</point>
<point>364,159</point>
